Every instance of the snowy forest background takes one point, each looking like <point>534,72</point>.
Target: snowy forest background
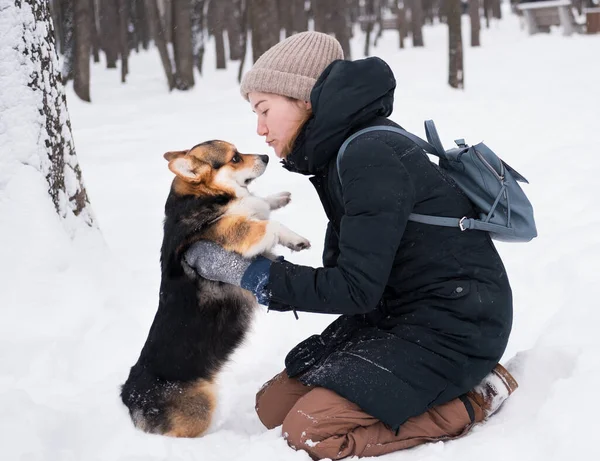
<point>82,192</point>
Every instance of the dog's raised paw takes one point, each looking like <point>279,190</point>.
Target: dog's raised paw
<point>279,200</point>
<point>299,245</point>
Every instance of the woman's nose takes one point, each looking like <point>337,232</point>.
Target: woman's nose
<point>261,129</point>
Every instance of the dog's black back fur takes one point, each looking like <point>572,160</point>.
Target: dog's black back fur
<point>198,323</point>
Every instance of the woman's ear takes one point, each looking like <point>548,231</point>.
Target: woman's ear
<point>307,105</point>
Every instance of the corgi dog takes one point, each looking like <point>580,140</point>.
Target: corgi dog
<point>171,389</point>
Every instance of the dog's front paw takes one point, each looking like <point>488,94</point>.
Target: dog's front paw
<point>279,200</point>
<point>298,244</point>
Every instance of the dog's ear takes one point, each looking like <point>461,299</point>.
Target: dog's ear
<point>174,154</point>
<point>190,170</point>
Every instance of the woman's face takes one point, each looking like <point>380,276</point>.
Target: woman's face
<point>279,118</point>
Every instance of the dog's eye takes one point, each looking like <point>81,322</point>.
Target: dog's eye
<point>236,159</point>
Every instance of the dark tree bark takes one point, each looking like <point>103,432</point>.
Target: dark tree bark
<point>321,15</point>
<point>159,38</point>
<point>475,22</point>
<point>197,18</point>
<point>142,24</point>
<point>109,29</point>
<point>132,25</point>
<point>245,29</point>
<point>123,13</point>
<point>68,27</point>
<point>496,9</point>
<point>299,16</point>
<point>487,11</point>
<point>216,27</point>
<point>428,11</point>
<point>264,23</point>
<point>57,20</point>
<point>34,57</point>
<point>401,24</point>
<point>340,25</point>
<point>83,43</point>
<point>94,31</point>
<point>456,74</point>
<point>417,22</point>
<point>370,21</point>
<point>284,8</point>
<point>182,44</point>
<point>234,29</point>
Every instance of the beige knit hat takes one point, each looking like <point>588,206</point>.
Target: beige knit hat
<point>292,67</point>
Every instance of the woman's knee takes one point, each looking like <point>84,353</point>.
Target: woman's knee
<point>276,397</point>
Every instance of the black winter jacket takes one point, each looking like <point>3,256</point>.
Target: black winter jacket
<point>426,310</point>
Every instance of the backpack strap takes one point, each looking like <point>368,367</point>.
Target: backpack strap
<point>418,141</point>
<point>433,137</point>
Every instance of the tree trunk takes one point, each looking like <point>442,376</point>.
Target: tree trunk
<point>299,16</point>
<point>340,26</point>
<point>245,29</point>
<point>487,9</point>
<point>109,30</point>
<point>68,26</point>
<point>456,74</point>
<point>56,13</point>
<point>123,14</point>
<point>216,27</point>
<point>182,44</point>
<point>370,20</point>
<point>83,44</point>
<point>417,22</point>
<point>142,24</point>
<point>475,22</point>
<point>43,126</point>
<point>197,18</point>
<point>132,25</point>
<point>321,15</point>
<point>496,9</point>
<point>94,31</point>
<point>264,23</point>
<point>428,11</point>
<point>161,43</point>
<point>284,8</point>
<point>401,25</point>
<point>234,29</point>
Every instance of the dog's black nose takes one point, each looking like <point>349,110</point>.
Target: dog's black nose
<point>265,158</point>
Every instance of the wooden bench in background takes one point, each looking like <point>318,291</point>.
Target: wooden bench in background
<point>540,16</point>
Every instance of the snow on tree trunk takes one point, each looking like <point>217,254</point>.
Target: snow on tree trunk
<point>35,131</point>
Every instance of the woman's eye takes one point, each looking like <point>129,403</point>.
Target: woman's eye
<point>265,112</point>
<point>236,158</point>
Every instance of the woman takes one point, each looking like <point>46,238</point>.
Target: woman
<point>426,311</point>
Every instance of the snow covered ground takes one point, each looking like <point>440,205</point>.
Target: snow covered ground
<point>75,313</point>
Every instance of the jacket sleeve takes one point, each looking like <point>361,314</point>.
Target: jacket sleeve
<point>331,250</point>
<point>378,196</point>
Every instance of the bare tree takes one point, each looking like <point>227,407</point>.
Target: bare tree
<point>182,44</point>
<point>197,19</point>
<point>42,108</point>
<point>475,22</point>
<point>83,43</point>
<point>340,25</point>
<point>123,14</point>
<point>264,23</point>
<point>94,30</point>
<point>401,24</point>
<point>299,16</point>
<point>487,11</point>
<point>216,26</point>
<point>109,27</point>
<point>416,10</point>
<point>284,7</point>
<point>321,11</point>
<point>496,9</point>
<point>68,28</point>
<point>456,74</point>
<point>158,31</point>
<point>369,22</point>
<point>234,29</point>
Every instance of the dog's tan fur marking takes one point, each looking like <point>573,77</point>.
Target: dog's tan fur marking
<point>191,410</point>
<point>237,233</point>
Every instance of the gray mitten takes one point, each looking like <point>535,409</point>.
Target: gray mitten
<point>213,262</point>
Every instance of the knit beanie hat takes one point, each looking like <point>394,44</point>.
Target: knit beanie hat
<point>291,67</point>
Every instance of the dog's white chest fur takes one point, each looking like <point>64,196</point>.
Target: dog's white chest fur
<point>252,207</point>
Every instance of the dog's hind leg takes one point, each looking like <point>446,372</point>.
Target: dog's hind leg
<point>190,412</point>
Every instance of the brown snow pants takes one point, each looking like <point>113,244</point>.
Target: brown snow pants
<point>326,425</point>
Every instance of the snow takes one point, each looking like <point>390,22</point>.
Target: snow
<point>75,312</point>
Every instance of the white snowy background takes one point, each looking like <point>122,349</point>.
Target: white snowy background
<point>74,314</point>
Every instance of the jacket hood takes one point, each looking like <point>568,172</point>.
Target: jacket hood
<point>347,95</point>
